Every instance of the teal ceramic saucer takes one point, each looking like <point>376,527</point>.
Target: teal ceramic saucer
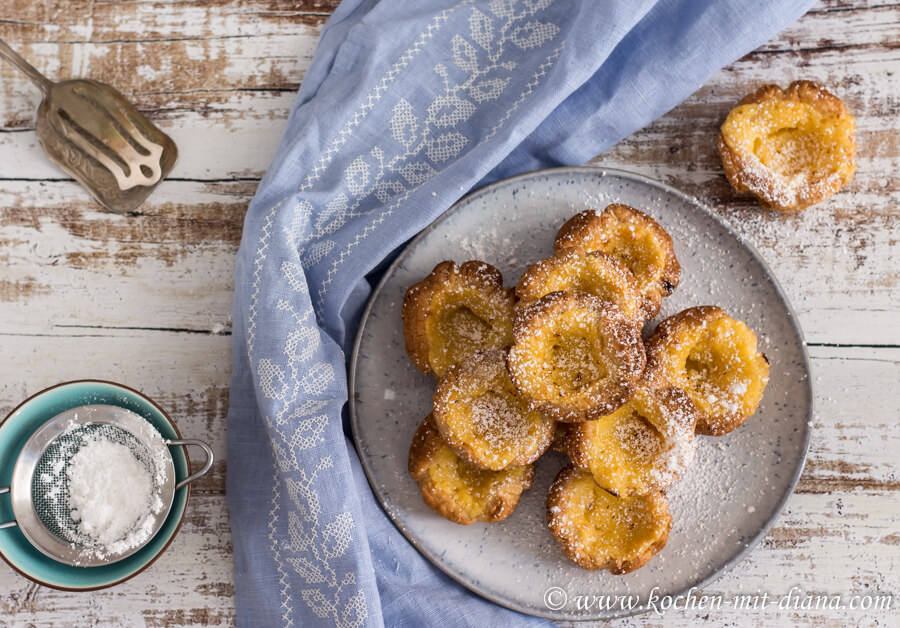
<point>18,426</point>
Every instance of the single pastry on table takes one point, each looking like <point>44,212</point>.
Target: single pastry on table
<point>575,358</point>
<point>715,359</point>
<point>458,491</point>
<point>575,270</point>
<point>789,148</point>
<point>642,447</point>
<point>635,238</point>
<point>482,417</point>
<point>597,530</point>
<point>455,311</point>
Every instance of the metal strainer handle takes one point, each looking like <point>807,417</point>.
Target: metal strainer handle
<point>206,467</point>
<point>8,524</point>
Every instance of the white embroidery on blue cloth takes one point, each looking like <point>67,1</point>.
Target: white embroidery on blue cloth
<point>433,135</point>
<point>303,539</point>
<point>257,278</point>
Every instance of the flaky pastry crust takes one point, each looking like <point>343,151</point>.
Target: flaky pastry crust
<point>789,148</point>
<point>642,447</point>
<point>575,357</point>
<point>454,312</point>
<point>634,237</point>
<point>482,417</point>
<point>714,358</point>
<point>574,270</point>
<point>560,437</point>
<point>457,490</point>
<point>597,530</point>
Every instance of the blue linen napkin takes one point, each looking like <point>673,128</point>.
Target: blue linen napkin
<point>406,107</point>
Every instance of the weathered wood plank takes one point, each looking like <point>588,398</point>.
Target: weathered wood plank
<point>823,29</point>
<point>187,374</point>
<point>55,239</point>
<point>54,243</point>
<point>278,40</point>
<point>826,6</point>
<point>854,437</point>
<point>831,538</point>
<point>226,137</point>
<point>192,584</point>
<point>173,57</point>
<point>844,544</point>
<point>854,444</point>
<point>834,259</point>
<point>81,291</point>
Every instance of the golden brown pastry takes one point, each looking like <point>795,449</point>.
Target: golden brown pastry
<point>597,530</point>
<point>560,436</point>
<point>454,312</point>
<point>574,270</point>
<point>715,360</point>
<point>575,357</point>
<point>483,419</point>
<point>789,148</point>
<point>459,491</point>
<point>640,448</point>
<point>635,238</point>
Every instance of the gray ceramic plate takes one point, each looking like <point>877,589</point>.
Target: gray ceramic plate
<point>738,483</point>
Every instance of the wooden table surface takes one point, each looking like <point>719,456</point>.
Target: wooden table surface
<point>145,299</point>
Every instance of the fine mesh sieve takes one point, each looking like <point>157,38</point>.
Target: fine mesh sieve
<point>39,489</point>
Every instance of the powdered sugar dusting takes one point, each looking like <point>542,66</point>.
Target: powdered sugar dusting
<point>101,495</point>
<point>498,419</point>
<point>483,418</point>
<point>517,559</point>
<point>110,493</point>
<point>789,148</point>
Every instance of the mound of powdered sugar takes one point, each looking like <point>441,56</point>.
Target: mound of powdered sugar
<point>110,490</point>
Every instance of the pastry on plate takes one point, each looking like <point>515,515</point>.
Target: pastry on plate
<point>635,238</point>
<point>560,436</point>
<point>454,312</point>
<point>789,148</point>
<point>597,530</point>
<point>483,419</point>
<point>457,490</point>
<point>575,358</point>
<point>642,447</point>
<point>574,270</point>
<point>714,358</point>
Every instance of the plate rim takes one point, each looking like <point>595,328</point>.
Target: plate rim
<point>598,171</point>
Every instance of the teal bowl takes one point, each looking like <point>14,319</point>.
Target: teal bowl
<point>18,426</point>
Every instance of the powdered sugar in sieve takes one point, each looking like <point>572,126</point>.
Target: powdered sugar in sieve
<point>94,484</point>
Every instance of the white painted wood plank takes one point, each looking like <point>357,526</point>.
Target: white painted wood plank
<point>192,584</point>
<point>833,545</point>
<point>837,265</point>
<point>855,439</point>
<point>182,51</point>
<point>825,544</point>
<point>234,135</point>
<point>195,67</point>
<point>67,263</point>
<point>198,106</point>
<point>187,374</point>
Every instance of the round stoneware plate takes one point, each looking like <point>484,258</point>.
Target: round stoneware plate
<point>720,508</point>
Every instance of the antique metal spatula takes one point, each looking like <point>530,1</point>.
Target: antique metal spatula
<point>89,130</point>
